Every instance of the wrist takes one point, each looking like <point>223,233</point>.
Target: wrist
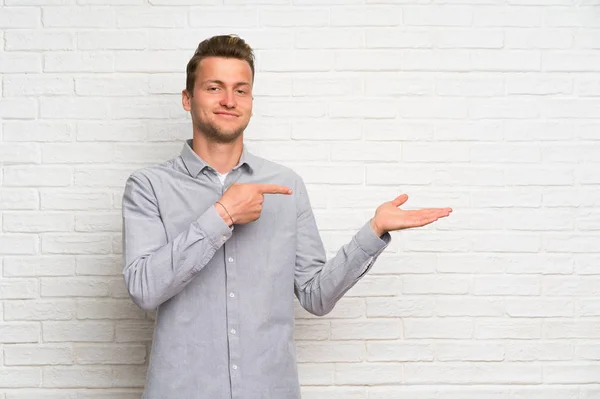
<point>376,228</point>
<point>222,211</point>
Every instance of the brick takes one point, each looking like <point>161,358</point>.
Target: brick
<point>570,243</point>
<point>366,16</point>
<point>44,176</point>
<point>20,377</point>
<point>569,329</point>
<point>19,17</point>
<point>387,130</point>
<point>451,60</point>
<point>20,63</point>
<point>111,131</point>
<point>469,352</point>
<point>39,310</point>
<point>123,39</point>
<point>19,244</point>
<point>291,17</point>
<point>66,331</point>
<point>586,38</point>
<point>38,131</point>
<point>35,85</point>
<point>18,289</point>
<point>405,37</point>
<point>77,153</point>
<point>398,351</point>
<point>329,38</point>
<point>146,107</point>
<point>326,130</point>
<point>539,38</point>
<point>74,108</point>
<point>508,329</point>
<point>237,17</point>
<point>369,151</point>
<point>74,287</point>
<point>579,17</point>
<point>77,377</point>
<point>513,16</point>
<point>542,176</point>
<point>459,306</point>
<point>476,130</point>
<point>134,331</point>
<point>473,373</point>
<point>78,17</point>
<point>76,244</point>
<point>368,373</point>
<point>443,15</point>
<point>469,86</point>
<point>506,60</point>
<point>34,266</point>
<point>145,153</point>
<point>568,61</point>
<point>341,352</point>
<point>324,86</point>
<point>505,109</point>
<point>38,40</point>
<point>20,153</point>
<point>423,108</point>
<point>367,60</point>
<point>315,373</point>
<point>587,87</point>
<point>506,285</point>
<point>39,355</point>
<point>151,17</point>
<point>320,174</point>
<point>415,285</point>
<point>523,351</point>
<point>35,222</point>
<point>296,60</point>
<point>455,328</point>
<point>571,373</point>
<point>394,85</point>
<point>108,309</point>
<point>335,392</point>
<point>18,108</point>
<point>15,333</point>
<point>362,108</point>
<point>470,38</point>
<point>400,307</point>
<point>75,200</point>
<point>587,351</point>
<point>532,307</point>
<point>113,354</point>
<point>435,152</point>
<point>130,86</point>
<point>370,329</point>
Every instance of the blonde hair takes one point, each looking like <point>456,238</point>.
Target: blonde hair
<point>226,46</point>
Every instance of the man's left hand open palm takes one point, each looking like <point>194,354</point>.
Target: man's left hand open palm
<point>389,217</point>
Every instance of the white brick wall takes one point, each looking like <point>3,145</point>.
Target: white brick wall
<point>491,107</point>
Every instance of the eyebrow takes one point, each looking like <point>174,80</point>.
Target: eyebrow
<point>220,82</point>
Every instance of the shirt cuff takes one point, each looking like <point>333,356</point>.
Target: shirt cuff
<point>214,227</point>
<point>369,242</point>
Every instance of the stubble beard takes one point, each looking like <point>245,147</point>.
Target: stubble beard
<point>218,135</point>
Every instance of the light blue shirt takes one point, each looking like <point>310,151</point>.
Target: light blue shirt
<point>225,320</point>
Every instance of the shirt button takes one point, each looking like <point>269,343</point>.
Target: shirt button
<point>230,259</point>
<point>232,295</point>
<point>234,367</point>
<point>233,331</point>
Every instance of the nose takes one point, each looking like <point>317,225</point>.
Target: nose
<point>228,99</point>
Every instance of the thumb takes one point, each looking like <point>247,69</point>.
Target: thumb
<point>401,199</point>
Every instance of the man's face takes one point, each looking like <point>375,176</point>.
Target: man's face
<point>221,104</point>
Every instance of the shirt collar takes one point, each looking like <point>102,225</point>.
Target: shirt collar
<point>195,164</point>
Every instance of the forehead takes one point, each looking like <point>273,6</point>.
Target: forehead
<point>228,70</point>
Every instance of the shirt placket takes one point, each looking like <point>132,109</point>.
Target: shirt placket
<point>231,281</point>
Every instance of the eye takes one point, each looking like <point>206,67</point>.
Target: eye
<point>213,88</point>
<point>241,92</point>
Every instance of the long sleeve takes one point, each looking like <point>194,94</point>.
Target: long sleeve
<point>156,270</point>
<point>320,283</point>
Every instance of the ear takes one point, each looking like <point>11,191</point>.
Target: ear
<point>186,100</point>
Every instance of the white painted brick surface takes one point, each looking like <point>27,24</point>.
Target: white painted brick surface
<point>491,107</point>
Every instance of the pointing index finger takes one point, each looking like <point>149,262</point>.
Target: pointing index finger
<point>273,189</point>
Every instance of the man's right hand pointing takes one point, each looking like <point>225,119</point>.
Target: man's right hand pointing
<point>242,203</point>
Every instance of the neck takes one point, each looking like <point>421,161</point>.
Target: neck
<point>221,156</point>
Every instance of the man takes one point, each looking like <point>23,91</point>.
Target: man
<point>220,240</point>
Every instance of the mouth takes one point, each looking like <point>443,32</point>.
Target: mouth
<point>227,115</point>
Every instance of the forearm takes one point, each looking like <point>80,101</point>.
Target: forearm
<point>154,275</point>
<point>326,282</point>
